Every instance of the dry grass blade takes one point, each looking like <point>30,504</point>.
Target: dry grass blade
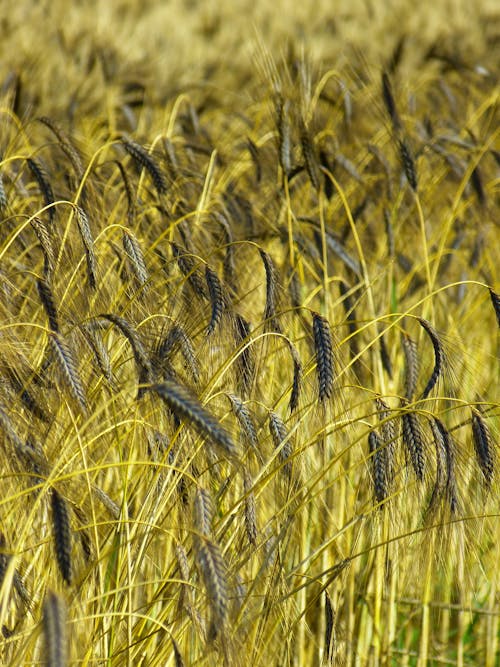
<point>144,159</point>
<point>67,366</point>
<point>323,346</point>
<point>54,630</point>
<point>44,185</point>
<point>61,527</point>
<point>213,570</point>
<point>217,299</point>
<point>413,439</point>
<point>272,323</point>
<point>379,466</point>
<point>439,357</point>
<point>187,406</point>
<point>47,299</point>
<point>411,366</point>
<point>483,446</point>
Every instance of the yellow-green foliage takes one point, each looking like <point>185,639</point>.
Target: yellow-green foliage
<point>249,408</point>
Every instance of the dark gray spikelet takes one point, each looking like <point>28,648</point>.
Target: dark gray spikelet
<point>179,661</point>
<point>3,196</point>
<point>271,320</point>
<point>350,317</point>
<point>245,419</point>
<point>250,510</point>
<point>4,559</point>
<point>141,357</point>
<point>323,346</point>
<point>136,258</point>
<point>297,379</point>
<point>414,441</point>
<point>310,158</point>
<point>88,245</point>
<point>144,159</point>
<point>329,630</point>
<point>65,143</point>
<point>175,339</point>
<point>254,154</point>
<point>217,300</point>
<point>182,562</point>
<point>495,300</point>
<point>68,369</point>
<point>411,366</point>
<point>99,350</point>
<point>378,457</point>
<point>45,240</point>
<point>445,483</point>
<point>47,299</point>
<point>188,268</point>
<point>279,434</point>
<point>61,527</point>
<point>187,406</point>
<point>54,630</point>
<point>214,573</point>
<point>483,446</point>
<point>385,357</point>
<point>389,102</point>
<point>408,164</point>
<point>285,148</point>
<point>389,435</point>
<point>228,265</point>
<point>246,359</point>
<point>203,511</point>
<point>44,185</point>
<point>128,192</point>
<point>439,357</point>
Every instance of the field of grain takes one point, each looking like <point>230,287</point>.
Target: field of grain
<point>249,334</point>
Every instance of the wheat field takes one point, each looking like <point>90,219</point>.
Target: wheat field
<point>249,343</point>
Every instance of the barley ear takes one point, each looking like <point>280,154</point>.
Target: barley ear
<point>54,630</point>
